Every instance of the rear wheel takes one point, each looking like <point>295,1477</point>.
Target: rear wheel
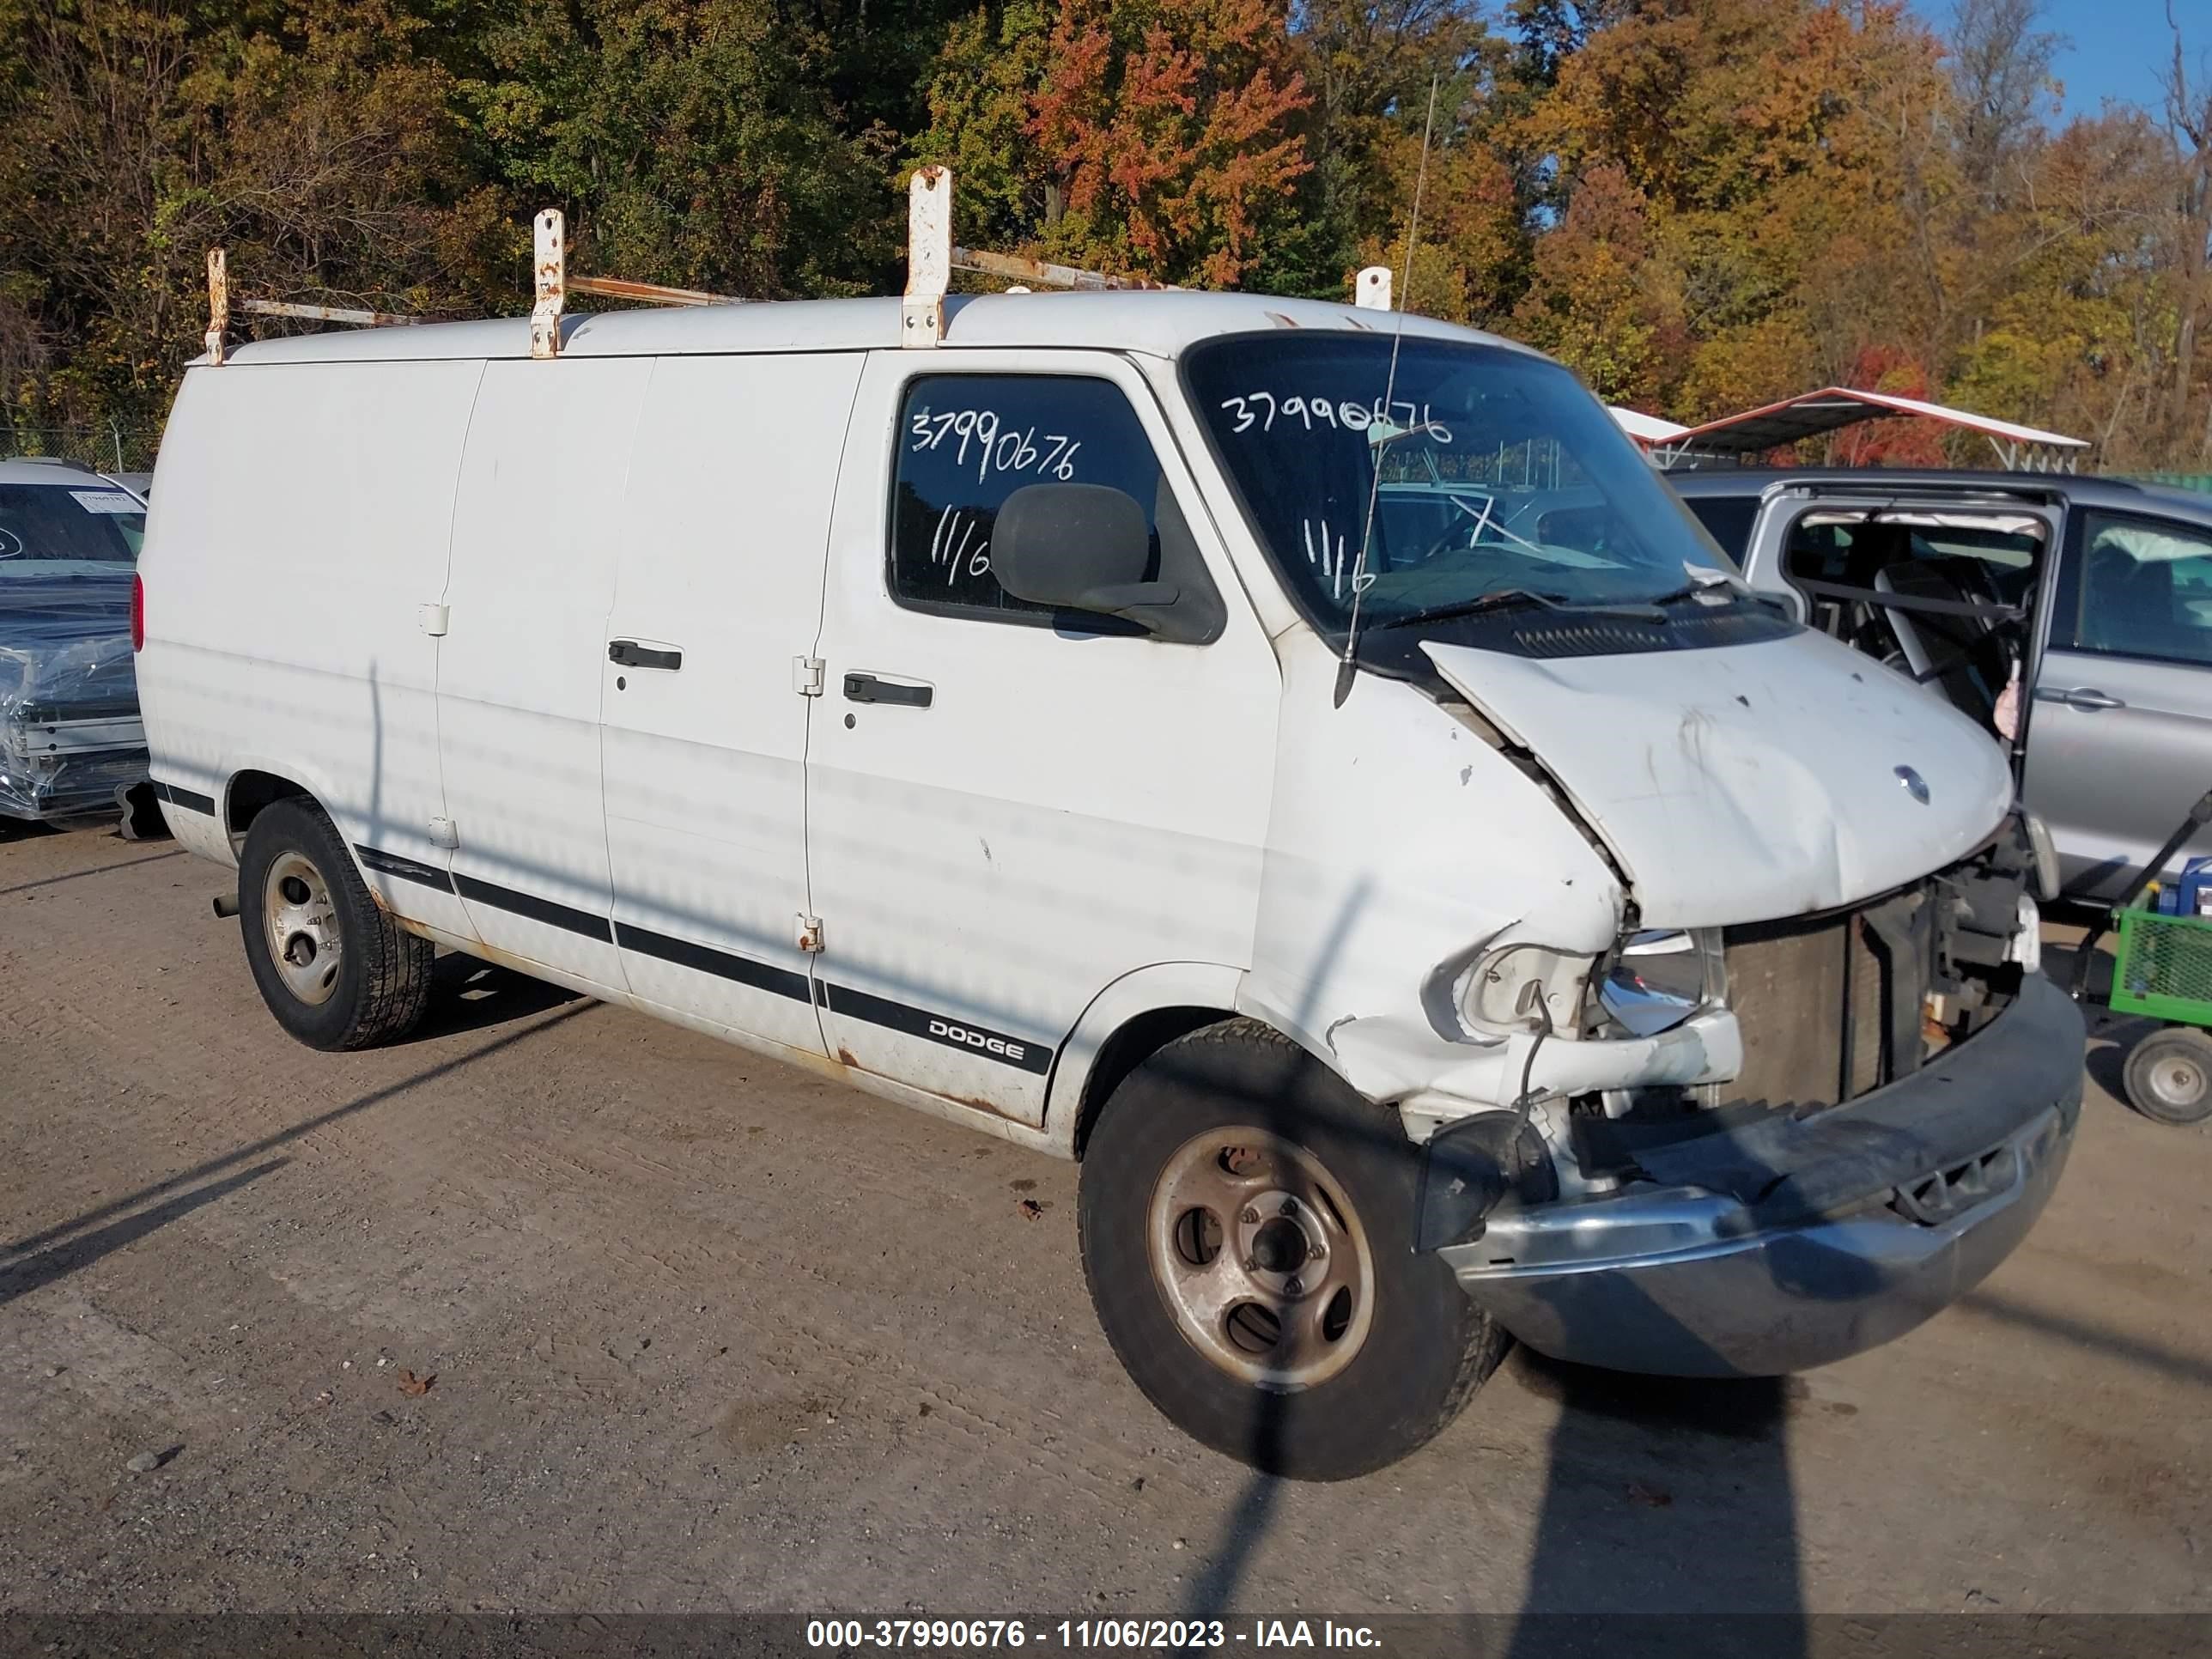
<point>1247,1230</point>
<point>335,970</point>
<point>2169,1076</point>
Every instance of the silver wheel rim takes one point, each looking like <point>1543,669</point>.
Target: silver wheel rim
<point>302,923</point>
<point>1260,1258</point>
<point>2177,1082</point>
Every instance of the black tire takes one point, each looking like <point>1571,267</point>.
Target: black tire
<point>2168,1076</point>
<point>383,979</point>
<point>1426,1347</point>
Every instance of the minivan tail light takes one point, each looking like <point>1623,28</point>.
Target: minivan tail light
<point>138,611</point>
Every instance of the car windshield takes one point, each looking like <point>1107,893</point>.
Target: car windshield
<point>1499,476</point>
<point>87,528</point>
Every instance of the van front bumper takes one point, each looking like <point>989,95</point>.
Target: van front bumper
<point>1769,1247</point>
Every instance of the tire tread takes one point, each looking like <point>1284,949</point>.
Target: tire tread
<point>1116,1166</point>
<point>395,965</point>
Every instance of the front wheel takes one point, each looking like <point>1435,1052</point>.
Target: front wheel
<point>1247,1228</point>
<point>2169,1076</point>
<point>335,970</point>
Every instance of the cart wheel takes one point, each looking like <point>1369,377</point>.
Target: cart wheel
<point>2169,1076</point>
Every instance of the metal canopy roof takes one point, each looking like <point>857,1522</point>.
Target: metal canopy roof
<point>1645,429</point>
<point>1757,430</point>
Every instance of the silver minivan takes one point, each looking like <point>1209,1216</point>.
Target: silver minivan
<point>2071,616</point>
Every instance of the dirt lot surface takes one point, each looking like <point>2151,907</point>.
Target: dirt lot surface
<point>703,1333</point>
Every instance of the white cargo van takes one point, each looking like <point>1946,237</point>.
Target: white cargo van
<point>1603,958</point>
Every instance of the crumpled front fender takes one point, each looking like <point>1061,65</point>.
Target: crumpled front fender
<point>1388,1059</point>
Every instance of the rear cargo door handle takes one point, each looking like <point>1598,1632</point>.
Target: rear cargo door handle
<point>628,653</point>
<point>2086,698</point>
<point>866,687</point>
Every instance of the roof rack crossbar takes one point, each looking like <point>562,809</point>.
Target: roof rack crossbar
<point>652,294</point>
<point>1053,275</point>
<point>329,314</point>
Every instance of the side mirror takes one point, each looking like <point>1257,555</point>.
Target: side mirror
<point>1077,547</point>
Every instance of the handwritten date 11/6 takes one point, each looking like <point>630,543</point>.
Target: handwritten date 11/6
<point>1343,414</point>
<point>996,448</point>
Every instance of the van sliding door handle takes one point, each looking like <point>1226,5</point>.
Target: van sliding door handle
<point>628,653</point>
<point>866,687</point>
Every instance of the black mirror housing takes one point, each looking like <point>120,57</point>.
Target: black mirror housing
<point>1088,547</point>
<point>1063,544</point>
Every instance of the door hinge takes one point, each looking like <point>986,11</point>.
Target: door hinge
<point>806,675</point>
<point>810,932</point>
<point>434,619</point>
<point>442,834</point>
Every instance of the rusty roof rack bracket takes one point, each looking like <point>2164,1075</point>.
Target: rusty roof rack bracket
<point>549,271</point>
<point>928,256</point>
<point>218,326</point>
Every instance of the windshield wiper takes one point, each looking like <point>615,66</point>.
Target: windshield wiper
<point>1521,599</point>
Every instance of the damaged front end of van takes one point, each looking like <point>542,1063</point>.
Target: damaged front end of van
<point>1756,1148</point>
<point>1699,955</point>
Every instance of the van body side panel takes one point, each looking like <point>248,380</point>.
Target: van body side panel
<point>1067,807</point>
<point>304,524</point>
<point>536,532</point>
<point>724,536</point>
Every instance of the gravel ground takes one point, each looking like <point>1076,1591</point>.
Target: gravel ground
<point>703,1332</point>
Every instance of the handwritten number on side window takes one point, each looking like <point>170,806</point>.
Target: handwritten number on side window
<point>998,448</point>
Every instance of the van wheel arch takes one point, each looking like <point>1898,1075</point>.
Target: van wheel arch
<point>252,792</point>
<point>1131,1043</point>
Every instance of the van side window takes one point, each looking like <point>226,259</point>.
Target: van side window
<point>967,442</point>
<point>2144,590</point>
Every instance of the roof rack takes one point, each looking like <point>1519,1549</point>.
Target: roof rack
<point>932,258</point>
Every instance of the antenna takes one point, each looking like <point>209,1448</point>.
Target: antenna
<point>1360,580</point>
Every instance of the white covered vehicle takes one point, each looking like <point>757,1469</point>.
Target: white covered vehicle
<point>1606,959</point>
<point>69,734</point>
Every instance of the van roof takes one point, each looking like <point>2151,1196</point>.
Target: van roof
<point>1160,324</point>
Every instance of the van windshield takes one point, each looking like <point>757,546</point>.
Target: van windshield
<point>88,529</point>
<point>1498,475</point>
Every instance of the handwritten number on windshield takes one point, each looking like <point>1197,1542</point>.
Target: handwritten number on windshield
<point>1346,415</point>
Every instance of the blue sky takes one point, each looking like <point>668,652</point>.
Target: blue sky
<point>2116,48</point>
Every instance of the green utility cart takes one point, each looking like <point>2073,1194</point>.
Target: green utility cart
<point>2162,969</point>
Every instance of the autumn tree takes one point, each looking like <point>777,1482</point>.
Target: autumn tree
<point>2000,72</point>
<point>134,135</point>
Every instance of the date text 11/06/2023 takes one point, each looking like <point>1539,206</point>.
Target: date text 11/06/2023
<point>1263,1635</point>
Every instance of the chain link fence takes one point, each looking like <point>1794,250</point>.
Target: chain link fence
<point>105,447</point>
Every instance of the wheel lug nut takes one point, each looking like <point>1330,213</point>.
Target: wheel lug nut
<point>1290,1206</point>
<point>1293,1286</point>
<point>1249,1216</point>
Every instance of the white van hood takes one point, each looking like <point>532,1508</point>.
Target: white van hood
<point>1748,782</point>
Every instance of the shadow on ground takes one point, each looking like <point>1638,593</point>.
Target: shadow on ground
<point>468,995</point>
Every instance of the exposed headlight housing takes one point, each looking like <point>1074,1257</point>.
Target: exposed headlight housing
<point>1504,987</point>
<point>1657,979</point>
